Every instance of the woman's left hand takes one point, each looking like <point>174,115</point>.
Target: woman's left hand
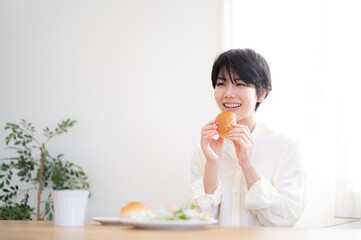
<point>242,139</point>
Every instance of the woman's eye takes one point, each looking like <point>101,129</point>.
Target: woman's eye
<point>220,84</point>
<point>241,85</point>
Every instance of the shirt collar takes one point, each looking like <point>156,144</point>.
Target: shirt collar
<point>256,131</point>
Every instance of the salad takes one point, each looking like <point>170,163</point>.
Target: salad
<point>190,212</point>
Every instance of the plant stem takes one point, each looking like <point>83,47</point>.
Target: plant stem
<point>8,159</point>
<point>40,181</point>
<point>16,148</point>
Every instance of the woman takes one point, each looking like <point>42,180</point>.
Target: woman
<point>254,177</point>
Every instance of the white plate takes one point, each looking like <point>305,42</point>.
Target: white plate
<point>108,220</point>
<point>170,225</point>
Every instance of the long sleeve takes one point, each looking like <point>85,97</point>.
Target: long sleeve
<point>207,202</point>
<point>281,202</point>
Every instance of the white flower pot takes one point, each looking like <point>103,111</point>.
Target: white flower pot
<point>69,207</point>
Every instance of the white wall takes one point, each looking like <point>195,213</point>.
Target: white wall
<point>134,74</point>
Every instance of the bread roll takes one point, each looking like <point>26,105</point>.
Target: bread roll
<point>224,122</point>
<point>135,211</point>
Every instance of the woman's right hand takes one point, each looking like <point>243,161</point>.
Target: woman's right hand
<point>211,147</point>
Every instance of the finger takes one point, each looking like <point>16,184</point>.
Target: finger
<point>238,140</point>
<point>237,125</point>
<point>210,132</point>
<point>218,139</point>
<point>241,130</point>
<point>211,122</point>
<point>209,127</point>
<point>245,139</point>
<point>246,132</point>
<point>241,136</point>
<point>244,127</point>
<point>209,135</point>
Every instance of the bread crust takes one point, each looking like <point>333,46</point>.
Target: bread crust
<point>134,209</point>
<point>224,122</point>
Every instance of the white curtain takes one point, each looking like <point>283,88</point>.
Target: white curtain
<point>313,49</point>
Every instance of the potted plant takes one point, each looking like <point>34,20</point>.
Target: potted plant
<point>33,168</point>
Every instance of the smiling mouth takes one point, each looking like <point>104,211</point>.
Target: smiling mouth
<point>231,105</point>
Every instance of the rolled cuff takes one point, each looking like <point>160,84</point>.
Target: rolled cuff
<point>261,195</point>
<point>205,201</point>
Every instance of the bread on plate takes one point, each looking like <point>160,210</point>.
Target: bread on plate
<point>135,211</point>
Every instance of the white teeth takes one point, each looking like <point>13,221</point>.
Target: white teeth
<point>232,105</point>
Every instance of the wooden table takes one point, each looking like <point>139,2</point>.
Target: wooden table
<point>28,230</point>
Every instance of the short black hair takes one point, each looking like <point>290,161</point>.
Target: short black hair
<point>250,66</point>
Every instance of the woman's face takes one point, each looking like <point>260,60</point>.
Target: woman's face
<point>238,98</point>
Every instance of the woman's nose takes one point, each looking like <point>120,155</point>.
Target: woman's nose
<point>229,91</point>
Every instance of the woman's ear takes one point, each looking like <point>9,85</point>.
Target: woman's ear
<point>263,95</point>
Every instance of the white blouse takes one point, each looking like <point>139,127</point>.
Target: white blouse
<point>277,199</point>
